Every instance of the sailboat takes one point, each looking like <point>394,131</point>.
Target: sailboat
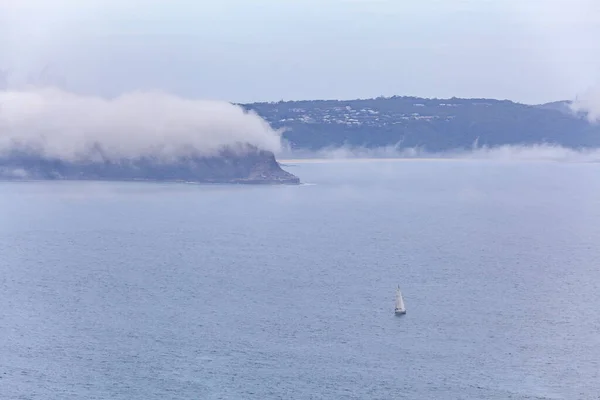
<point>400,309</point>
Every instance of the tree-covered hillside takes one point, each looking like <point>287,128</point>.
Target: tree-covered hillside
<point>434,124</point>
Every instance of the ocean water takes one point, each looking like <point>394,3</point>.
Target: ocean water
<point>174,291</point>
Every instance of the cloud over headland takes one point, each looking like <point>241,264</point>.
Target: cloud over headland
<point>58,124</point>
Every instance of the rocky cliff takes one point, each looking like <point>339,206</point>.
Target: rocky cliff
<point>250,166</point>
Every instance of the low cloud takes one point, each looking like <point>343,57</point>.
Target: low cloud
<point>539,152</point>
<point>58,124</point>
<point>589,104</point>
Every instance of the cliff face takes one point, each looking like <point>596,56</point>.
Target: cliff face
<point>252,166</point>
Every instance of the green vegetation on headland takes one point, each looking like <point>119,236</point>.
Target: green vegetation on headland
<point>432,124</point>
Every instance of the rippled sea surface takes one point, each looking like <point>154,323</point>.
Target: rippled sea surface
<point>179,291</point>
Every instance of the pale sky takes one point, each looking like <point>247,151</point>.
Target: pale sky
<point>266,50</point>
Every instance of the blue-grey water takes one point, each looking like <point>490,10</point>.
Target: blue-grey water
<point>174,291</point>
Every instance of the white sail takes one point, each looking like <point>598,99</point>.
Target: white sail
<point>399,302</point>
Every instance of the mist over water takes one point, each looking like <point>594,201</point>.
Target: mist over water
<point>541,152</point>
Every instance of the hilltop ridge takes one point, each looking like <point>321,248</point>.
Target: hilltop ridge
<point>433,124</point>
